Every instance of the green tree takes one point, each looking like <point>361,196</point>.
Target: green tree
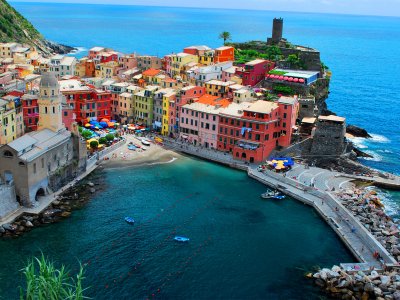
<point>86,134</point>
<point>94,145</point>
<point>225,35</point>
<point>110,137</point>
<point>45,282</point>
<point>102,140</point>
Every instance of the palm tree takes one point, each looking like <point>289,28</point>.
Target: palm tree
<point>225,35</point>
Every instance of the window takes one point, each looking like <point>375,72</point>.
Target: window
<point>7,153</point>
<point>257,137</point>
<point>34,168</point>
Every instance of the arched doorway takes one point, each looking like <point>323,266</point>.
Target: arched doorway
<point>243,155</point>
<point>251,159</point>
<point>39,193</point>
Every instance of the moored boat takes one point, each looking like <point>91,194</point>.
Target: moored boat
<point>145,142</point>
<point>129,220</point>
<point>181,239</point>
<point>273,195</point>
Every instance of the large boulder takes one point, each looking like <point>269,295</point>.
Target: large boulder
<point>357,131</point>
<point>369,287</point>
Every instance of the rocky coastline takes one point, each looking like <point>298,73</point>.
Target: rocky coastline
<point>339,283</point>
<point>71,199</point>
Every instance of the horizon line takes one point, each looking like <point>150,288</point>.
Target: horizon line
<point>197,7</point>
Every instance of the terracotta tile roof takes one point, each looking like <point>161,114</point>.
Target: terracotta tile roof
<point>151,72</point>
<point>213,100</point>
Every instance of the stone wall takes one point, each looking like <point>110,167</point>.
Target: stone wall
<point>328,139</point>
<point>8,202</point>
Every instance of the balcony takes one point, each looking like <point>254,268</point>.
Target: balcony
<point>247,145</point>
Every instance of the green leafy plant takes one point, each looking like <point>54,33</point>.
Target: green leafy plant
<point>102,140</point>
<point>86,134</point>
<point>110,137</point>
<point>94,145</point>
<point>45,282</point>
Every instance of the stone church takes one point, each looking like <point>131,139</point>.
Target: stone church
<point>42,161</point>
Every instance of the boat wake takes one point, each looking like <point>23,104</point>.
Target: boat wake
<point>145,164</point>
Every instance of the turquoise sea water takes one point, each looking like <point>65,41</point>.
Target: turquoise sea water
<point>241,246</point>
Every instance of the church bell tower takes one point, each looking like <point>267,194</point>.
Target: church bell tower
<point>50,111</point>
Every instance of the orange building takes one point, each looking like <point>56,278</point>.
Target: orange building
<point>225,53</point>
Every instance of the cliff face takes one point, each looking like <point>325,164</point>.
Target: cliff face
<point>15,28</point>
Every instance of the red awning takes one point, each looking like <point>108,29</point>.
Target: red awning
<point>290,79</point>
<point>285,78</point>
<point>301,80</point>
<point>280,77</point>
<point>296,80</point>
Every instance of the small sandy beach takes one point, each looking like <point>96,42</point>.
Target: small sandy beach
<point>123,157</point>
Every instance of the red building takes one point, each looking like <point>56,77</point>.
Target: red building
<point>250,131</point>
<point>30,111</point>
<point>224,53</point>
<point>254,71</point>
<point>196,50</point>
<point>85,101</point>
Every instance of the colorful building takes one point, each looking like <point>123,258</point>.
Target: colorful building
<point>144,105</point>
<point>178,61</point>
<point>198,75</point>
<point>149,75</point>
<point>125,108</point>
<point>168,105</point>
<point>30,109</point>
<point>8,130</point>
<point>250,131</point>
<point>218,88</point>
<point>199,120</point>
<point>254,71</point>
<point>225,53</point>
<point>145,62</point>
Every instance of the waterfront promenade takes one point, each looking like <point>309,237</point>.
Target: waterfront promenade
<point>315,187</point>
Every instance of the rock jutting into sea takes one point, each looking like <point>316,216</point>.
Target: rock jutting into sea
<point>357,131</point>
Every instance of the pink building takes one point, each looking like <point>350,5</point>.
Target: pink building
<point>95,51</point>
<point>288,111</point>
<point>228,74</point>
<point>184,96</point>
<point>254,71</point>
<point>128,62</point>
<point>199,120</point>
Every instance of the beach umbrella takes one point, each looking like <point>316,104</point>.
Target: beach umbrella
<point>103,124</point>
<point>105,120</point>
<point>110,124</point>
<point>88,125</point>
<point>113,121</point>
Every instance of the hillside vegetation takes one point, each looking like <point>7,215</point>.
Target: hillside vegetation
<point>15,28</point>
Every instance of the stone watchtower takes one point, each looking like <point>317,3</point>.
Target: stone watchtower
<point>277,32</point>
<point>329,136</point>
<point>50,112</point>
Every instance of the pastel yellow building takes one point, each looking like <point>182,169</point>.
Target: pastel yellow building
<point>8,130</point>
<point>6,49</point>
<point>218,88</point>
<point>167,99</point>
<point>207,58</point>
<point>178,61</point>
<point>126,107</point>
<point>144,105</point>
<point>107,70</point>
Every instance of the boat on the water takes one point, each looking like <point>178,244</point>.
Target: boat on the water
<point>145,142</point>
<point>273,195</point>
<point>129,220</point>
<point>181,239</point>
<point>132,147</point>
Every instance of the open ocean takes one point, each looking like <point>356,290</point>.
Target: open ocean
<point>241,247</point>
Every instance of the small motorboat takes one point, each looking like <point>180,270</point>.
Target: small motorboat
<point>273,195</point>
<point>145,142</point>
<point>129,220</point>
<point>132,147</point>
<point>181,239</point>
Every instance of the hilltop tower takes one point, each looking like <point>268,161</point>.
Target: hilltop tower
<point>50,112</point>
<point>277,32</point>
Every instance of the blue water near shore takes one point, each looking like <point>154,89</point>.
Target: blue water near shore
<point>241,246</point>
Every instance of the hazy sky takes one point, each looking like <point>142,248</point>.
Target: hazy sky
<point>358,7</point>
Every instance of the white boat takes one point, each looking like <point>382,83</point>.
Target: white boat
<point>273,195</point>
<point>145,142</point>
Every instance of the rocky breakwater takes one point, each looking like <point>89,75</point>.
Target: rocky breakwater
<point>343,284</point>
<point>369,210</point>
<point>73,198</point>
<point>366,206</point>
